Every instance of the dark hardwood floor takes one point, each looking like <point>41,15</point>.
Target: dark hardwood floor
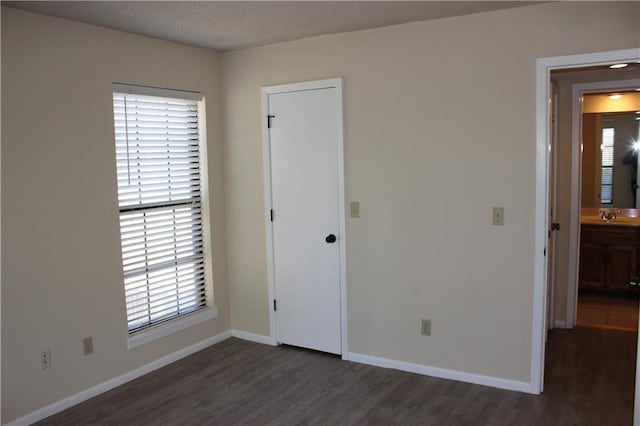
<point>589,381</point>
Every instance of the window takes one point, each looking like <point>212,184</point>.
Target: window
<point>606,190</point>
<point>158,171</point>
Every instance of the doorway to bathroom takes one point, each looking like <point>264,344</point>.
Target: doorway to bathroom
<point>602,258</point>
<point>608,283</point>
<point>595,280</point>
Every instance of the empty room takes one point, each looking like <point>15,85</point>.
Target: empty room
<point>330,213</point>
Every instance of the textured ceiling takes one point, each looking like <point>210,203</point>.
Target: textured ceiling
<point>227,25</point>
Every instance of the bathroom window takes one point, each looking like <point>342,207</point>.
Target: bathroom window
<point>606,190</point>
<point>158,171</point>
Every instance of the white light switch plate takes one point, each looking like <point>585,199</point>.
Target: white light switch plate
<point>354,208</point>
<point>498,216</point>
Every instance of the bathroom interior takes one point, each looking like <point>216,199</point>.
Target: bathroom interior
<point>609,273</point>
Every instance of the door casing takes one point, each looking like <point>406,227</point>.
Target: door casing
<point>335,83</point>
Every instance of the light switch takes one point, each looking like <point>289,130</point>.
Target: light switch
<point>355,209</point>
<point>498,216</point>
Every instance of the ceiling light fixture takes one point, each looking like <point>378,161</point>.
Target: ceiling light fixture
<point>615,96</point>
<point>616,66</point>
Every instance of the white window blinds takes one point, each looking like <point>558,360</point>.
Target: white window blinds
<point>606,184</point>
<point>158,171</point>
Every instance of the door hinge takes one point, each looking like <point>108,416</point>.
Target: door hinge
<point>271,215</point>
<point>269,118</point>
<point>555,226</point>
<point>275,306</point>
<point>544,253</point>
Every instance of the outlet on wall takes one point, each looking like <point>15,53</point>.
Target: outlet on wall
<point>425,329</point>
<point>87,345</point>
<point>45,359</point>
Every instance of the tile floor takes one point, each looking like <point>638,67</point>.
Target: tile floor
<point>608,311</point>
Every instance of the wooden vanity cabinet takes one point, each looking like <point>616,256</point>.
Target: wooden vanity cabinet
<point>593,273</point>
<point>622,266</point>
<point>609,257</point>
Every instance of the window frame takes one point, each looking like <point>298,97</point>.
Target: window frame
<point>179,322</point>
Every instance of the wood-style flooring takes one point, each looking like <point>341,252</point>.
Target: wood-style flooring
<point>608,311</point>
<point>589,381</point>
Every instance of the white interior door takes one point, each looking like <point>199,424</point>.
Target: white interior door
<point>303,138</point>
<point>553,214</point>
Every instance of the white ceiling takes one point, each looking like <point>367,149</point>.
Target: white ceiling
<point>227,25</point>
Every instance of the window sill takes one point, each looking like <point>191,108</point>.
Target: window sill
<point>170,327</point>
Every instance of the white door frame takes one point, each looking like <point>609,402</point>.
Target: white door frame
<point>335,83</point>
<point>544,66</point>
<point>577,90</point>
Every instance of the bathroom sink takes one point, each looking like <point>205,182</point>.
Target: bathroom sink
<point>620,220</point>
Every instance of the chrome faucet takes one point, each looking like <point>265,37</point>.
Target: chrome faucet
<point>609,214</point>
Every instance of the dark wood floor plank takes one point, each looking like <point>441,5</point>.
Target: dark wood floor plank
<point>589,380</point>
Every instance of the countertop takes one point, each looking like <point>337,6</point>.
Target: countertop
<point>627,217</point>
<point>620,221</point>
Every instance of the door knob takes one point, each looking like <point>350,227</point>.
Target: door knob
<point>330,238</point>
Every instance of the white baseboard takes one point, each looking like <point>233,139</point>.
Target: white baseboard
<point>443,373</point>
<point>559,324</point>
<point>257,338</point>
<point>86,394</point>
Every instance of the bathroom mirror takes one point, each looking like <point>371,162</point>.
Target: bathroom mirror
<point>610,160</point>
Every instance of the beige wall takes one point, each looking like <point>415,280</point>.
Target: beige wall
<point>61,270</point>
<point>591,139</point>
<point>439,128</point>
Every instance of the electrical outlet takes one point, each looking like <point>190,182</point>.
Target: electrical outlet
<point>45,359</point>
<point>425,329</point>
<point>354,208</point>
<point>498,216</point>
<point>87,345</point>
